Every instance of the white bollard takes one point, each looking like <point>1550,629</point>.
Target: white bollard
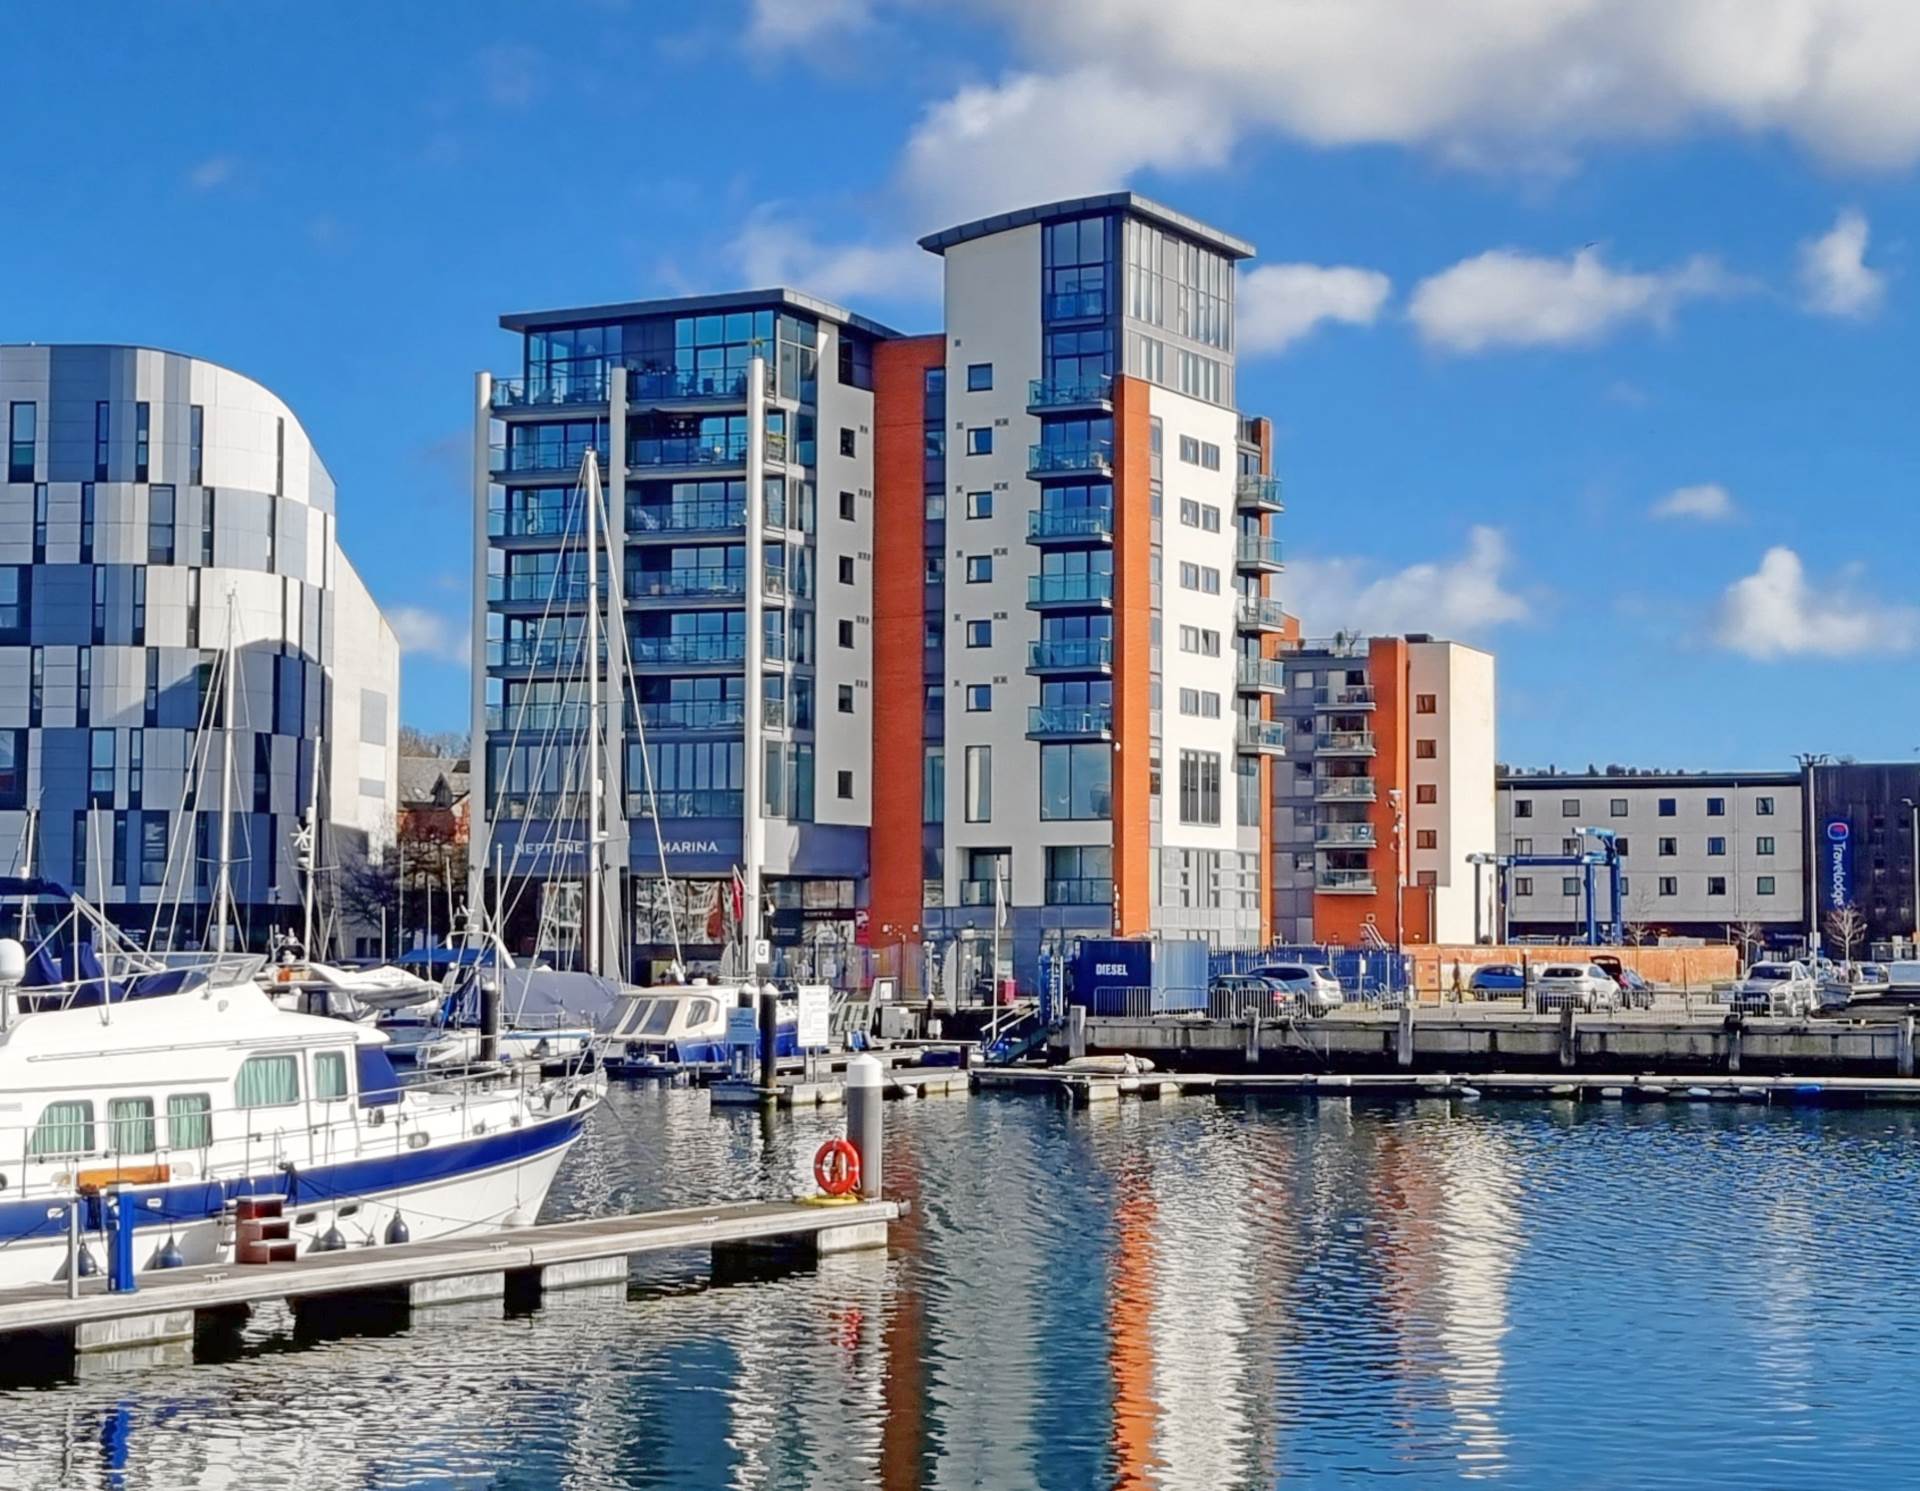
<point>866,1100</point>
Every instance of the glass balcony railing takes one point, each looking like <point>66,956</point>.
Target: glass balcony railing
<point>563,716</point>
<point>1070,590</point>
<point>553,388</point>
<point>1344,835</point>
<point>1074,305</point>
<point>685,652</point>
<point>688,450</point>
<point>687,802</point>
<point>1258,614</point>
<point>1094,455</point>
<point>1069,393</point>
<point>694,714</point>
<point>545,521</point>
<point>1065,524</point>
<point>1344,696</point>
<point>1070,719</point>
<point>1344,743</point>
<point>1345,789</point>
<point>1356,881</point>
<point>538,653</point>
<point>1258,553</point>
<point>1088,892</point>
<point>1069,653</point>
<point>1262,492</point>
<point>1261,735</point>
<point>686,517</point>
<point>666,385</point>
<point>562,458</point>
<point>980,892</point>
<point>1259,674</point>
<point>563,589</point>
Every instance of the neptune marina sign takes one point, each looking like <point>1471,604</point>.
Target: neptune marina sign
<point>1836,868</point>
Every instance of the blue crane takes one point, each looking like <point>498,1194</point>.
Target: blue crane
<point>1605,855</point>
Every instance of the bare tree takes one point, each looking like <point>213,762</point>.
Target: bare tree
<point>1845,927</point>
<point>1746,935</point>
<point>1637,929</point>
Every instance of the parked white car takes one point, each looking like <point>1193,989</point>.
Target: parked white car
<point>1775,989</point>
<point>1584,986</point>
<point>1316,990</point>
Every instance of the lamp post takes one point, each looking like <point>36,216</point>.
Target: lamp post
<point>1913,824</point>
<point>1399,875</point>
<point>1809,762</point>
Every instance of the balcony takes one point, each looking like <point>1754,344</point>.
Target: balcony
<point>1070,722</point>
<point>1343,836</point>
<point>571,715</point>
<point>690,386</point>
<point>1259,676</point>
<point>694,714</point>
<point>1258,494</point>
<point>1261,737</point>
<point>691,652</point>
<point>645,520</point>
<point>1070,655</point>
<point>546,460</point>
<point>1069,592</point>
<point>1341,698</point>
<point>1062,395</point>
<point>1070,525</point>
<point>539,654</point>
<point>688,452</point>
<point>1089,892</point>
<point>1345,882</point>
<point>545,522</point>
<point>1344,789</point>
<point>559,387</point>
<point>1258,556</point>
<point>1256,613</point>
<point>1093,458</point>
<point>1343,743</point>
<point>688,802</point>
<point>542,587</point>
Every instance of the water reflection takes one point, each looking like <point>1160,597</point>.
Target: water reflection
<point>1179,1295</point>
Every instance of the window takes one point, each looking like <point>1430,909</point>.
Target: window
<point>1669,848</point>
<point>1763,885</point>
<point>979,504</point>
<point>979,634</point>
<point>86,522</point>
<point>196,444</point>
<point>979,784</point>
<point>1426,750</point>
<point>100,768</point>
<point>846,506</point>
<point>933,786</point>
<point>1621,845</point>
<point>142,438</point>
<point>40,523</point>
<point>933,636</point>
<point>329,1075</point>
<point>160,525</point>
<point>979,568</point>
<point>64,1129</point>
<point>119,849</point>
<point>1569,807</point>
<point>979,698</point>
<point>1209,455</point>
<point>1669,885</point>
<point>1763,807</point>
<point>279,457</point>
<point>1426,704</point>
<point>1716,807</point>
<point>1716,845</point>
<point>937,507</point>
<point>137,766</point>
<point>13,768</point>
<point>23,427</point>
<point>845,696</point>
<point>843,785</point>
<point>1668,807</point>
<point>1426,838</point>
<point>36,684</point>
<point>1202,641</point>
<point>936,569</point>
<point>209,505</point>
<point>83,687</point>
<point>979,377</point>
<point>1763,844</point>
<point>1716,885</point>
<point>846,569</point>
<point>1523,885</point>
<point>138,621</point>
<point>1199,577</point>
<point>1426,792</point>
<point>980,440</point>
<point>1569,846</point>
<point>267,1082</point>
<point>130,1127</point>
<point>1523,808</point>
<point>1200,703</point>
<point>153,848</point>
<point>1569,885</point>
<point>1076,781</point>
<point>844,633</point>
<point>1617,808</point>
<point>102,438</point>
<point>1190,450</point>
<point>189,1120</point>
<point>1200,787</point>
<point>849,445</point>
<point>1201,515</point>
<point>100,604</point>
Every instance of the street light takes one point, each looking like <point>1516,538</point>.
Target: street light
<point>1399,877</point>
<point>1811,883</point>
<point>1913,823</point>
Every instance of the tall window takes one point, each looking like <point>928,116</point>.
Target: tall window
<point>208,505</point>
<point>153,848</point>
<point>136,766</point>
<point>86,522</point>
<point>16,602</point>
<point>933,786</point>
<point>78,879</point>
<point>23,428</point>
<point>196,444</point>
<point>979,784</point>
<point>139,605</point>
<point>150,696</point>
<point>102,438</point>
<point>273,535</point>
<point>1200,787</point>
<point>160,526</point>
<point>13,768</point>
<point>100,768</point>
<point>280,457</point>
<point>40,523</point>
<point>142,439</point>
<point>36,685</point>
<point>99,605</point>
<point>1076,781</point>
<point>119,867</point>
<point>83,686</point>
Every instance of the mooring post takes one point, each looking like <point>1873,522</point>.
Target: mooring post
<point>1569,1036</point>
<point>769,1039</point>
<point>120,1277</point>
<point>1076,1032</point>
<point>1253,1038</point>
<point>1403,1037</point>
<point>1736,1028</point>
<point>866,1103</point>
<point>1904,1050</point>
<point>73,1247</point>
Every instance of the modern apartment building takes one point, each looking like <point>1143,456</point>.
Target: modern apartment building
<point>157,510</point>
<point>1702,853</point>
<point>1864,846</point>
<point>1387,789</point>
<point>660,391</point>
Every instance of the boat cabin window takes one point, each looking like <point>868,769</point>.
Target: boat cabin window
<point>699,1012</point>
<point>130,1126</point>
<point>267,1082</point>
<point>636,1017</point>
<point>64,1129</point>
<point>329,1074</point>
<point>189,1120</point>
<point>660,1017</point>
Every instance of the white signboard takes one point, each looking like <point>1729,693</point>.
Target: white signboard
<point>812,1032</point>
<point>743,1026</point>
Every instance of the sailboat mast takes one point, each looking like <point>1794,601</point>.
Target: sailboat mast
<point>752,766</point>
<point>223,889</point>
<point>593,854</point>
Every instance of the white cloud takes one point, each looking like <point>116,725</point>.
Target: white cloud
<point>1461,597</point>
<point>1834,275</point>
<point>775,25</point>
<point>1708,502</point>
<point>512,75</point>
<point>214,171</point>
<point>428,634</point>
<point>1504,298</point>
<point>1276,305</point>
<point>773,248</point>
<point>1776,612</point>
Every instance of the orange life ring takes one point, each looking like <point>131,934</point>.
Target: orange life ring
<point>837,1168</point>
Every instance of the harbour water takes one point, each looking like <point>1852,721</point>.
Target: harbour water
<point>1145,1295</point>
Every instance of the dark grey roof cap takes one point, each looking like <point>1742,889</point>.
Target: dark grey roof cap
<point>683,305</point>
<point>1133,202</point>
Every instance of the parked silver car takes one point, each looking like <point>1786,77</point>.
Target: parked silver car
<point>1775,989</point>
<point>1317,991</point>
<point>1584,986</point>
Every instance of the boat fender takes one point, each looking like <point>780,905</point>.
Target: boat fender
<point>579,1098</point>
<point>397,1230</point>
<point>836,1167</point>
<point>169,1255</point>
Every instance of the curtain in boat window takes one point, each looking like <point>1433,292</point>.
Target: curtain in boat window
<point>268,1082</point>
<point>130,1126</point>
<point>329,1074</point>
<point>189,1120</point>
<point>64,1128</point>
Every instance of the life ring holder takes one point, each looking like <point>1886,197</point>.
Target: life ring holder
<point>836,1170</point>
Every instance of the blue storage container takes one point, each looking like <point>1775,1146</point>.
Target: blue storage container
<point>1139,976</point>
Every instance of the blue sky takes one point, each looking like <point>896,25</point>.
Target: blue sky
<point>1527,271</point>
